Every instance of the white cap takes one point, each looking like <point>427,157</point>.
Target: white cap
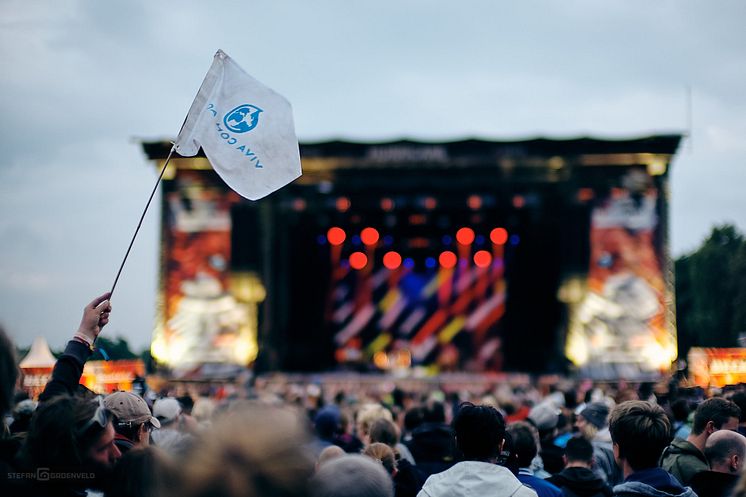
<point>166,409</point>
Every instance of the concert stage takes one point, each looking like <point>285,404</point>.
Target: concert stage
<point>474,255</point>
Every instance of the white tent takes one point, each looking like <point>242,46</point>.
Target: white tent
<point>39,356</point>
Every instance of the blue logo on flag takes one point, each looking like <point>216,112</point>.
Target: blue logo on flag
<point>243,118</point>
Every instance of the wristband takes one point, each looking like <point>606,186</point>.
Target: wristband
<point>84,340</point>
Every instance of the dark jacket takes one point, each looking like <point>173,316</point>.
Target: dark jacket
<point>713,484</point>
<point>9,483</point>
<point>433,447</point>
<point>683,460</point>
<point>551,455</point>
<point>65,379</point>
<point>67,371</point>
<point>653,482</point>
<point>408,480</point>
<point>580,482</point>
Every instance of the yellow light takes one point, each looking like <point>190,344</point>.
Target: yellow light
<point>247,287</point>
<point>379,343</point>
<point>572,290</point>
<point>246,349</point>
<point>657,166</point>
<point>381,360</point>
<point>556,163</point>
<point>451,329</point>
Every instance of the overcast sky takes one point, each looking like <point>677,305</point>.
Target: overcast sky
<point>81,82</point>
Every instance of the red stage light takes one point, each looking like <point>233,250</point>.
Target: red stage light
<point>465,236</point>
<point>474,202</point>
<point>430,203</point>
<point>585,194</point>
<point>387,204</point>
<point>369,236</point>
<point>336,236</point>
<point>343,204</point>
<point>482,258</point>
<point>392,260</point>
<point>358,260</point>
<point>499,236</point>
<point>417,219</point>
<point>447,259</point>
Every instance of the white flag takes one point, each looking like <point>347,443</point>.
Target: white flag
<point>245,129</point>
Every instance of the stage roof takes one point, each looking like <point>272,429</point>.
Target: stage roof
<point>440,151</point>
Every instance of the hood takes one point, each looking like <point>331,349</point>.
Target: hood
<point>475,479</point>
<point>654,482</point>
<point>679,446</point>
<point>582,481</point>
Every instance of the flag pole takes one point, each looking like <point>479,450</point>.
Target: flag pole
<point>152,194</point>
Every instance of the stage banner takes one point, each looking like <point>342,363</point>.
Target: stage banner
<point>199,319</point>
<point>717,367</point>
<point>619,328</point>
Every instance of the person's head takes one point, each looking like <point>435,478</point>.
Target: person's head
<point>680,410</point>
<point>384,431</point>
<point>383,454</point>
<point>640,431</point>
<point>352,476</point>
<point>326,423</point>
<point>253,450</point>
<point>739,398</point>
<point>480,431</point>
<point>203,409</point>
<point>579,452</point>
<point>413,418</point>
<point>145,472</point>
<point>366,415</point>
<point>435,412</point>
<point>715,414</point>
<point>187,404</point>
<point>167,410</point>
<point>69,432</point>
<point>524,437</point>
<point>131,417</point>
<point>345,422</point>
<point>545,418</point>
<point>8,372</point>
<point>329,453</point>
<point>725,450</point>
<point>592,418</point>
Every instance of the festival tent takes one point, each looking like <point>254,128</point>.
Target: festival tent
<point>39,356</point>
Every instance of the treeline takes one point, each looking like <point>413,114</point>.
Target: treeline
<point>711,292</point>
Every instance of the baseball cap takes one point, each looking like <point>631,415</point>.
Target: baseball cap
<point>130,408</point>
<point>166,409</point>
<point>544,416</point>
<point>597,414</point>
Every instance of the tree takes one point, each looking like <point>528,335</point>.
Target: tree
<point>711,291</point>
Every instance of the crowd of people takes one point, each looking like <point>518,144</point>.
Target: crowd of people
<point>287,440</point>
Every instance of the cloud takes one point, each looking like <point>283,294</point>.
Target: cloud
<point>81,78</point>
